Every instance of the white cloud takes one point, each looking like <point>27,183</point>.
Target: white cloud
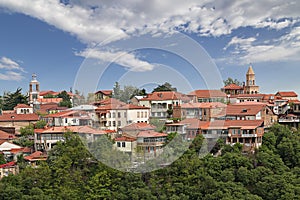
<point>94,21</point>
<point>11,70</point>
<point>11,76</point>
<point>128,60</point>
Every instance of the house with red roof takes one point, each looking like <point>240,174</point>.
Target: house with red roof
<point>233,89</point>
<point>288,95</point>
<point>114,115</point>
<point>134,128</point>
<point>126,144</point>
<point>103,94</point>
<point>150,143</point>
<point>8,168</point>
<point>208,96</point>
<point>23,109</point>
<point>162,103</point>
<point>36,157</point>
<point>45,139</point>
<point>204,111</point>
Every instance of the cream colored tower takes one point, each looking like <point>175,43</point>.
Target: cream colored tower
<point>251,87</point>
<point>34,90</point>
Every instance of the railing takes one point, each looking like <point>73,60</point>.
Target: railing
<point>150,143</point>
<point>288,120</point>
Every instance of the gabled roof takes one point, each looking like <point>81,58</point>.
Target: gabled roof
<point>233,86</point>
<point>105,92</point>
<point>49,100</point>
<point>165,95</point>
<point>6,136</point>
<point>7,146</point>
<point>203,105</point>
<point>75,129</point>
<point>38,155</point>
<point>286,94</point>
<point>125,139</point>
<point>207,93</point>
<point>148,134</point>
<point>21,105</point>
<point>10,164</point>
<point>244,109</point>
<point>138,126</point>
<point>9,117</point>
<point>225,124</point>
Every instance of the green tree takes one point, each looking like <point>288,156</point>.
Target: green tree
<point>66,102</point>
<point>127,92</point>
<point>164,87</point>
<point>10,100</point>
<point>229,81</point>
<point>2,159</point>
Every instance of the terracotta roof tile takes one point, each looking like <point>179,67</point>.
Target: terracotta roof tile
<point>147,134</point>
<point>244,109</point>
<point>286,94</point>
<point>6,136</point>
<point>18,117</point>
<point>22,106</point>
<point>207,93</point>
<point>165,95</point>
<point>125,138</point>
<point>138,126</point>
<point>233,87</point>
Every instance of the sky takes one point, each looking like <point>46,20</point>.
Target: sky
<point>90,44</point>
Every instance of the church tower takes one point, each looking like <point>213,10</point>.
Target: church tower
<point>34,90</point>
<point>250,87</point>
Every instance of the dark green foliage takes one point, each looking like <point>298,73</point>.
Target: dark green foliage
<point>229,81</point>
<point>71,172</point>
<point>164,87</point>
<point>10,100</point>
<point>2,159</point>
<point>66,102</point>
<point>127,93</point>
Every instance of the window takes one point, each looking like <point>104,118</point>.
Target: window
<point>109,123</point>
<point>123,144</point>
<point>142,114</point>
<point>114,115</point>
<point>66,120</point>
<point>114,123</point>
<point>125,114</point>
<point>119,115</point>
<point>146,114</point>
<point>119,123</point>
<point>138,114</point>
<point>118,144</point>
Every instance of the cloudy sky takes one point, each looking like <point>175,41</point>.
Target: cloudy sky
<point>80,42</point>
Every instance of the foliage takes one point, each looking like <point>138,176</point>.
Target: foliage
<point>71,172</point>
<point>40,124</point>
<point>164,87</point>
<point>2,159</point>
<point>158,124</point>
<point>229,81</point>
<point>10,100</point>
<point>127,93</point>
<point>27,130</point>
<point>66,102</point>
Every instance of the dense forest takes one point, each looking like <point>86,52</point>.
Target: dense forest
<point>71,172</point>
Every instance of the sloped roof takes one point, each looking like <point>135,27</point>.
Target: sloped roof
<point>49,100</point>
<point>233,86</point>
<point>286,94</point>
<point>105,92</point>
<point>165,95</point>
<point>6,146</point>
<point>38,155</point>
<point>139,126</point>
<point>125,138</point>
<point>6,136</point>
<point>75,129</point>
<point>244,109</point>
<point>207,93</point>
<point>10,164</point>
<point>250,70</point>
<point>148,134</point>
<point>8,117</point>
<point>225,124</point>
<point>203,105</point>
<point>21,105</point>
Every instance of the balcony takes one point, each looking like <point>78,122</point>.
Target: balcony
<point>150,144</point>
<point>288,120</point>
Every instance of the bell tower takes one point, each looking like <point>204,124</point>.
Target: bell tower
<point>251,87</point>
<point>34,90</point>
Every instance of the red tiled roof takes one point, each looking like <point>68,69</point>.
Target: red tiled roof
<point>61,114</point>
<point>50,100</point>
<point>147,134</point>
<point>18,117</point>
<point>38,155</point>
<point>139,126</point>
<point>286,94</point>
<point>203,105</point>
<point>233,86</point>
<point>207,93</point>
<point>6,136</point>
<point>193,123</point>
<point>125,138</point>
<point>244,109</point>
<point>105,92</point>
<point>108,102</point>
<point>22,106</point>
<point>165,95</point>
<point>10,164</point>
<point>75,129</point>
<point>225,124</point>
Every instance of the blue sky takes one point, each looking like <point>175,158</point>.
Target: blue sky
<point>90,44</point>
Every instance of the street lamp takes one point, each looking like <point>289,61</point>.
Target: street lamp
<point>12,120</point>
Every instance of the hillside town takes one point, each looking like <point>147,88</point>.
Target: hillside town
<point>236,113</point>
